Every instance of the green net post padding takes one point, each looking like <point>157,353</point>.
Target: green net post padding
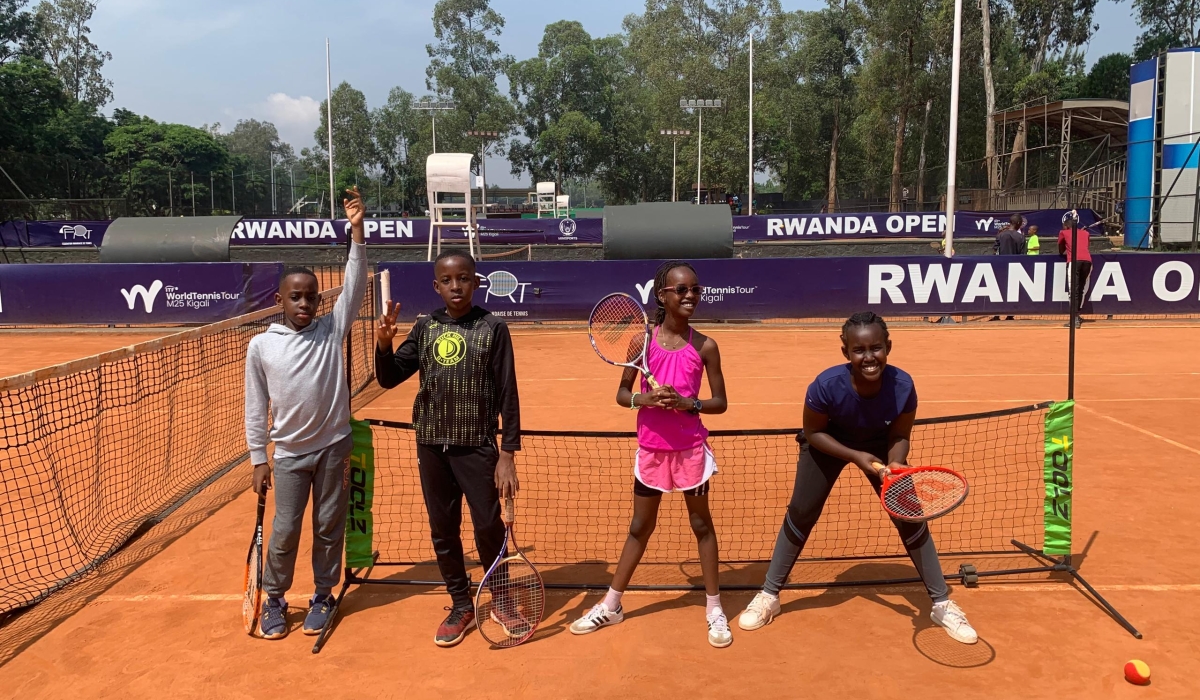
<point>1060,448</point>
<point>359,523</point>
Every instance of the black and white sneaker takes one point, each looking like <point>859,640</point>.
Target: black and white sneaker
<point>599,616</point>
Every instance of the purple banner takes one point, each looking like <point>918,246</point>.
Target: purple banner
<point>259,232</point>
<point>827,287</point>
<point>415,231</point>
<point>968,224</point>
<point>135,293</point>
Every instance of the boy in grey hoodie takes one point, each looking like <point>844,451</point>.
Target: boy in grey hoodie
<point>296,370</point>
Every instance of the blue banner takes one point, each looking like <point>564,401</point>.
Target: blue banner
<point>764,288</point>
<point>135,293</point>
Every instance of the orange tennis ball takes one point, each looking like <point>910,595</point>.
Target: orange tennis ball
<point>1137,672</point>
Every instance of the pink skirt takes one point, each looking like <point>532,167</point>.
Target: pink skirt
<point>678,470</point>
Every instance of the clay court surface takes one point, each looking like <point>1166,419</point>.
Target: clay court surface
<point>161,619</point>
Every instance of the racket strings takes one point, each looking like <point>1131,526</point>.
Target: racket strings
<point>618,328</point>
<point>924,494</point>
<point>511,603</point>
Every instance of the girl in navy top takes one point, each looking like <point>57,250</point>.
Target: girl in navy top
<point>859,413</point>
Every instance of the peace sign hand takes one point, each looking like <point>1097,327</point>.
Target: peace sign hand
<point>386,330</point>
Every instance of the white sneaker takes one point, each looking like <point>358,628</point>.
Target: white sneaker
<point>718,629</point>
<point>599,616</point>
<point>759,612</point>
<point>947,614</point>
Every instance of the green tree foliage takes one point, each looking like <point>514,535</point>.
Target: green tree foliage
<point>1166,24</point>
<point>69,48</point>
<point>18,31</point>
<point>159,161</point>
<point>1108,78</point>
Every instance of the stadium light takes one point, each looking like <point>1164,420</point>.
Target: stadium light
<point>433,107</point>
<point>674,134</point>
<point>699,106</point>
<point>484,137</point>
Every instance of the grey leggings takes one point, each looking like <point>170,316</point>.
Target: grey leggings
<point>816,473</point>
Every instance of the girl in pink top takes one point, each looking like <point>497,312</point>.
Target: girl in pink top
<point>672,454</point>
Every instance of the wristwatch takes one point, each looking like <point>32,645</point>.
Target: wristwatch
<point>696,406</point>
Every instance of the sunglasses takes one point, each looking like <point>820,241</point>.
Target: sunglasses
<point>682,289</point>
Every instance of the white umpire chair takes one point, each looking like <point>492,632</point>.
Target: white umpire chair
<point>547,199</point>
<point>450,174</point>
<point>562,206</point>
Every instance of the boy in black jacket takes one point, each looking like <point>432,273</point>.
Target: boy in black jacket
<point>468,381</point>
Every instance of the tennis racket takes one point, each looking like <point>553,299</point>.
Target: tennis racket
<point>920,494</point>
<point>511,599</point>
<point>620,332</point>
<point>252,602</point>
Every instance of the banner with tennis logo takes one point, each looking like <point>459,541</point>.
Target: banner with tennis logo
<point>1060,448</point>
<point>361,493</point>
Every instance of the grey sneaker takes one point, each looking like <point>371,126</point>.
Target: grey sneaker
<point>319,610</point>
<point>273,622</point>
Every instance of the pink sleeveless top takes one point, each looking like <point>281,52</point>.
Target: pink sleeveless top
<point>660,429</point>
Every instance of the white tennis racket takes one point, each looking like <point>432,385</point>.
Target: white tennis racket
<point>620,333</point>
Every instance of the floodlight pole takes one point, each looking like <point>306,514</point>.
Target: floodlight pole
<point>952,159</point>
<point>699,106</point>
<point>329,124</point>
<point>750,137</point>
<point>484,137</point>
<point>433,107</point>
<point>674,134</point>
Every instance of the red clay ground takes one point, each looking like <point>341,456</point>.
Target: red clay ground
<point>169,626</point>
<point>25,351</point>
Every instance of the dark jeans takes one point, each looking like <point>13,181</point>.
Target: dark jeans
<point>448,474</point>
<point>816,473</point>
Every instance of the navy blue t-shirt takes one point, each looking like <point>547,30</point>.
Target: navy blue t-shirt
<point>856,422</point>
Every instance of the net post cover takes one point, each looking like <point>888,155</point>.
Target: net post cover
<point>162,239</point>
<point>1060,458</point>
<point>666,230</point>
<point>359,521</point>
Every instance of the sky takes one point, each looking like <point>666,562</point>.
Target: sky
<point>225,60</point>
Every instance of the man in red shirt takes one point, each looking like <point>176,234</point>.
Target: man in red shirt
<point>1081,274</point>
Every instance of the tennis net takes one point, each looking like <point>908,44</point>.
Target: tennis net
<point>576,498</point>
<point>95,451</point>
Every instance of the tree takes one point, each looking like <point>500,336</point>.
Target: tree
<point>18,31</point>
<point>464,66</point>
<point>353,148</point>
<point>76,60</point>
<point>1044,26</point>
<point>1167,24</point>
<point>258,141</point>
<point>1108,78</point>
<point>30,96</point>
<point>401,147</point>
<point>561,97</point>
<point>154,154</point>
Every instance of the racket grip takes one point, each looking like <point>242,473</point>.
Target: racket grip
<point>385,288</point>
<point>651,381</point>
<point>880,469</point>
<point>508,513</point>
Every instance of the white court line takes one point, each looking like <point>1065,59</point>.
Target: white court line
<point>998,587</point>
<point>1143,431</point>
<point>920,376</point>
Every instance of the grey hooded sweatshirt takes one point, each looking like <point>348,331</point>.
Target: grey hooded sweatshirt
<point>301,376</point>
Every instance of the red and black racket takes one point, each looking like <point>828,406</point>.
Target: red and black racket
<point>252,602</point>
<point>920,494</point>
<point>511,598</point>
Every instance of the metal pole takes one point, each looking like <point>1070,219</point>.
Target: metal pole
<point>1076,289</point>
<point>292,180</point>
<point>1196,212</point>
<point>193,176</point>
<point>952,156</point>
<point>232,194</point>
<point>699,144</point>
<point>212,194</point>
<point>329,123</point>
<point>274,207</point>
<point>674,153</point>
<point>482,173</point>
<point>434,115</point>
<point>750,138</point>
